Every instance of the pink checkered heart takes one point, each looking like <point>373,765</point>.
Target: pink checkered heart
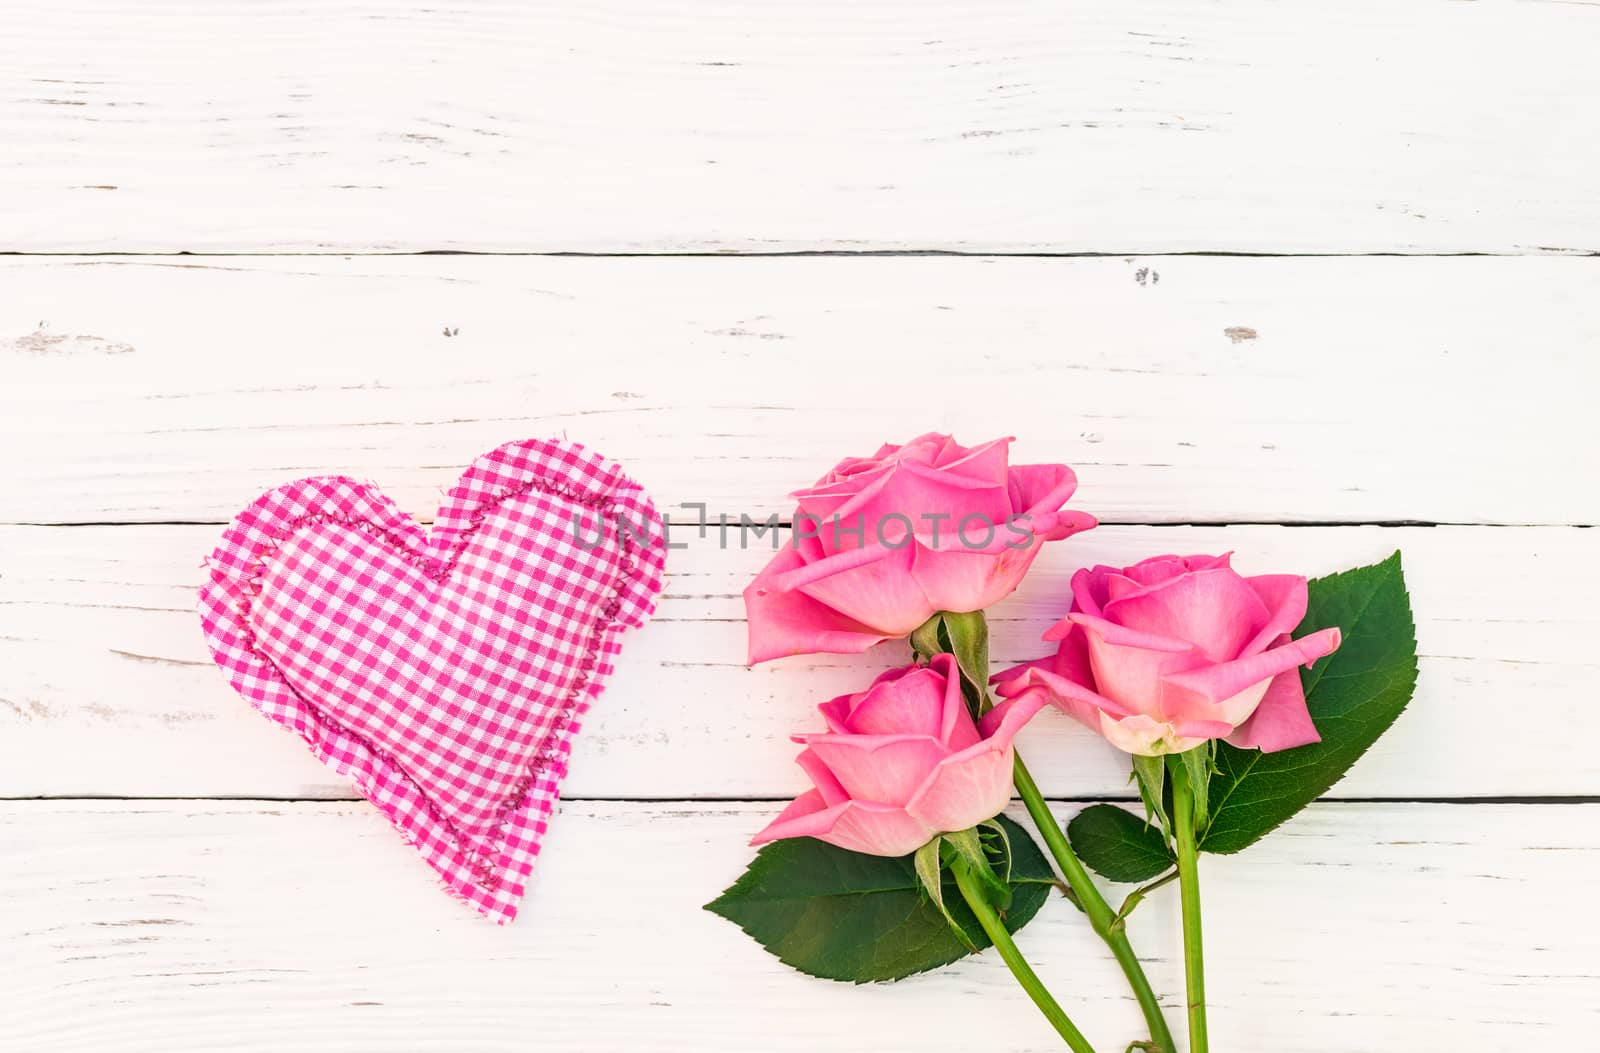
<point>444,672</point>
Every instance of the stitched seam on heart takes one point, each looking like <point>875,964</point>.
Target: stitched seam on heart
<point>437,570</point>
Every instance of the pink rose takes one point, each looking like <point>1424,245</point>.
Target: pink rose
<point>902,762</point>
<point>1163,655</point>
<point>882,543</point>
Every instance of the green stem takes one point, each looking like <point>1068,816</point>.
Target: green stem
<point>1101,916</point>
<point>1189,891</point>
<point>972,889</point>
<point>967,637</point>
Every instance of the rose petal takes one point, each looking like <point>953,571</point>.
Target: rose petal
<point>803,571</point>
<point>973,785</point>
<point>1215,610</point>
<point>1200,730</point>
<point>1066,680</point>
<point>912,703</point>
<point>970,581</point>
<point>1148,737</point>
<point>1123,636</point>
<point>783,623</point>
<point>1057,525</point>
<point>1281,721</point>
<point>985,463</point>
<point>1285,597</point>
<point>1179,704</point>
<point>836,713</point>
<point>806,816</point>
<point>883,768</point>
<point>878,830</point>
<point>831,789</point>
<point>1215,683</point>
<point>934,502</point>
<point>1001,724</point>
<point>1117,586</point>
<point>1039,488</point>
<point>933,447</point>
<point>1130,666</point>
<point>956,729</point>
<point>929,477</point>
<point>1158,570</point>
<point>1060,630</point>
<point>855,826</point>
<point>963,793</point>
<point>823,501</point>
<point>871,587</point>
<point>1089,591</point>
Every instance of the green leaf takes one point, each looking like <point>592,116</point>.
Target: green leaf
<point>1196,766</point>
<point>1354,695</point>
<point>1151,775</point>
<point>969,846</point>
<point>846,916</point>
<point>969,642</point>
<point>1118,844</point>
<point>930,870</point>
<point>925,637</point>
<point>1002,845</point>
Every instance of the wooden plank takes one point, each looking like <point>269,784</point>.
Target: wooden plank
<point>1182,389</point>
<point>189,926</point>
<point>644,127</point>
<point>106,687</point>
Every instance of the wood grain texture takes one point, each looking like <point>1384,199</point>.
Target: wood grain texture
<point>180,927</point>
<point>640,126</point>
<point>1182,389</point>
<point>106,686</point>
<point>882,125</point>
<point>156,396</point>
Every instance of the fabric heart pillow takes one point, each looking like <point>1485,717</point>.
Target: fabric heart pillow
<point>445,671</point>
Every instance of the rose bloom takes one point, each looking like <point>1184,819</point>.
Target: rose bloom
<point>1163,655</point>
<point>882,543</point>
<point>903,762</point>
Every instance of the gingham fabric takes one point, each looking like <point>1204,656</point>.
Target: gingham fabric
<point>444,672</point>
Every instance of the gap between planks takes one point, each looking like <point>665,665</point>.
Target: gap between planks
<point>1084,799</point>
<point>815,253</point>
<point>786,525</point>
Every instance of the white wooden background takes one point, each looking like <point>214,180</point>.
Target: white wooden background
<point>1305,282</point>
